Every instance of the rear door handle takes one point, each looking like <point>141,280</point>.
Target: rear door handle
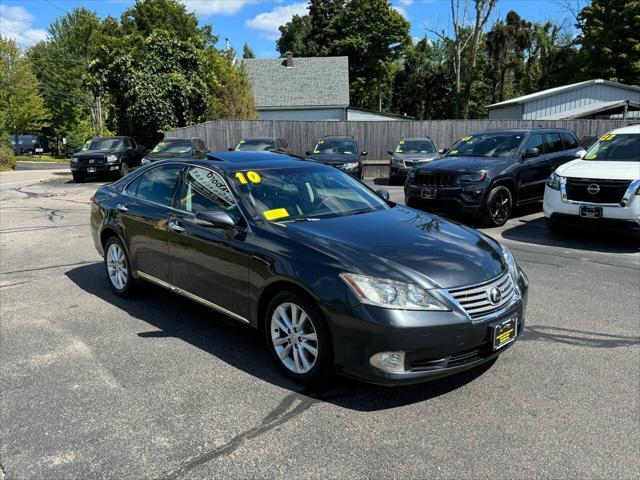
<point>176,227</point>
<point>122,207</point>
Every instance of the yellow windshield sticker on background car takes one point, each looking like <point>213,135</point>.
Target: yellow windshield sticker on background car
<point>275,213</point>
<point>316,151</point>
<point>453,152</point>
<point>467,138</point>
<point>399,149</point>
<point>591,156</point>
<point>608,137</point>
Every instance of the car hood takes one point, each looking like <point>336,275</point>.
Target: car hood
<point>158,156</point>
<point>421,248</point>
<point>468,164</point>
<point>608,170</point>
<point>335,158</point>
<point>417,157</point>
<point>94,153</point>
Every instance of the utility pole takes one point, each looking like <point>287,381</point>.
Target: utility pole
<point>99,113</point>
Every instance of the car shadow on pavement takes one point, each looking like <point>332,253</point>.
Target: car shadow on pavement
<point>580,338</point>
<point>171,315</point>
<point>534,231</point>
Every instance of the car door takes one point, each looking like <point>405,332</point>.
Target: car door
<point>209,263</point>
<point>534,171</point>
<point>143,213</point>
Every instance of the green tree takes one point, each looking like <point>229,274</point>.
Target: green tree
<point>295,37</point>
<point>247,52</point>
<point>22,108</point>
<point>62,66</point>
<point>323,15</point>
<point>610,40</point>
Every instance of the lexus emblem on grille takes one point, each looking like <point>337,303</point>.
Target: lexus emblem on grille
<point>593,189</point>
<point>495,295</point>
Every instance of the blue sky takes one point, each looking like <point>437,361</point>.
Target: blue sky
<point>254,21</point>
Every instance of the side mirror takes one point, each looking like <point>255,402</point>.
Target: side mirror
<point>531,152</point>
<point>308,153</point>
<point>382,193</point>
<point>231,149</point>
<point>442,151</point>
<point>390,152</point>
<point>364,154</point>
<point>581,153</point>
<point>215,219</point>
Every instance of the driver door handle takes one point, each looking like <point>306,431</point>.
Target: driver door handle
<point>176,227</point>
<point>122,207</point>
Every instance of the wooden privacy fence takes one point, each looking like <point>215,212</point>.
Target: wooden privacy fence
<point>374,137</point>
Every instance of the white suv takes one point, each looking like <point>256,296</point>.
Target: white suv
<point>602,189</point>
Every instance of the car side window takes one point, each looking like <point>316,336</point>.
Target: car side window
<point>156,185</point>
<point>535,141</point>
<point>203,189</point>
<point>554,142</point>
<point>570,141</point>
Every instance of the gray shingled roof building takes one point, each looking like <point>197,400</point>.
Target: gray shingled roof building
<point>304,88</point>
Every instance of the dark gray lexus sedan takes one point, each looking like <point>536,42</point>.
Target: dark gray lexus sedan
<point>335,275</point>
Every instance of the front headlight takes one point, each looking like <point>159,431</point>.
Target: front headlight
<point>473,178</point>
<point>554,181</point>
<point>74,159</point>
<point>351,166</point>
<point>396,161</point>
<point>112,158</point>
<point>511,264</point>
<point>390,294</point>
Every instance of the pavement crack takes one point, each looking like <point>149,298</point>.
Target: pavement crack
<point>281,414</point>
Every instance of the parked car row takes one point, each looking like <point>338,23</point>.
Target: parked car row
<point>29,144</point>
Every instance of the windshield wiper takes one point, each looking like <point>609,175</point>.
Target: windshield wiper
<point>300,219</point>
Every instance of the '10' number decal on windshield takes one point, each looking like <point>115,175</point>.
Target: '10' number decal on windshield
<point>251,176</point>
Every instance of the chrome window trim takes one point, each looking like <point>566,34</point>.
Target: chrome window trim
<point>631,189</point>
<point>190,296</point>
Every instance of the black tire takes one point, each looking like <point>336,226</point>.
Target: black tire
<point>498,207</point>
<point>127,286</point>
<point>554,227</point>
<point>124,169</point>
<point>322,369</point>
<point>78,177</point>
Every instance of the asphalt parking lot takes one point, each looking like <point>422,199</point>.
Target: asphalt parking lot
<point>96,386</point>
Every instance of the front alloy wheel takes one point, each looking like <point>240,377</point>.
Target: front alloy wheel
<point>124,169</point>
<point>499,206</point>
<point>294,338</point>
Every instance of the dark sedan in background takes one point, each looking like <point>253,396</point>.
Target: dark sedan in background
<point>488,174</point>
<point>301,251</point>
<point>176,148</point>
<point>341,152</point>
<point>410,153</point>
<point>115,156</point>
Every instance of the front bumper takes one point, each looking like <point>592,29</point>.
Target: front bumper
<point>102,168</point>
<point>616,217</point>
<point>466,200</point>
<point>436,344</point>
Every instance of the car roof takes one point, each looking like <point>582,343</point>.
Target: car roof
<point>416,138</point>
<point>235,161</point>
<point>632,129</point>
<point>343,137</point>
<point>525,130</point>
<point>258,138</point>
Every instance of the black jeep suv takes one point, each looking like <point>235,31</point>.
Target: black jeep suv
<point>115,156</point>
<point>341,152</point>
<point>489,173</point>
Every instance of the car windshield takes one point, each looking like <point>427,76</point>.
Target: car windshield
<point>304,193</point>
<point>416,146</point>
<point>172,146</point>
<point>105,144</point>
<point>255,145</point>
<point>487,145</point>
<point>616,147</point>
<point>336,145</point>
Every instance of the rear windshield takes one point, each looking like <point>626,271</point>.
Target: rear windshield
<point>255,145</point>
<point>416,146</point>
<point>487,145</point>
<point>105,144</point>
<point>336,145</point>
<point>616,147</point>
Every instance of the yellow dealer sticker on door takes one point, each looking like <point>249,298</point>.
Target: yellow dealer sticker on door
<point>275,214</point>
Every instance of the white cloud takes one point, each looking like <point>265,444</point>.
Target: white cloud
<point>15,23</point>
<point>268,22</point>
<point>405,3</point>
<point>211,7</point>
<point>401,11</point>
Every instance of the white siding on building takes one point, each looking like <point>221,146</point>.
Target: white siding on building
<point>303,114</point>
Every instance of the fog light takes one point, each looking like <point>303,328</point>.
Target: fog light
<point>392,362</point>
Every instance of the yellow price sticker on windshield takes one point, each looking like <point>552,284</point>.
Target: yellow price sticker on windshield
<point>241,142</point>
<point>467,138</point>
<point>275,214</point>
<point>608,137</point>
<point>401,142</point>
<point>241,178</point>
<point>253,177</point>
<point>316,151</point>
<point>591,156</point>
<point>453,152</point>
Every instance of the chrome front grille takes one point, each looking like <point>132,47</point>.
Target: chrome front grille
<point>477,300</point>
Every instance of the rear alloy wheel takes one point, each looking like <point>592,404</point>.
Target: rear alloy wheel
<point>118,267</point>
<point>498,207</point>
<point>298,338</point>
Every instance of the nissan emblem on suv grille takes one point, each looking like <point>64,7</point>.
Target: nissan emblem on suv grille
<point>593,189</point>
